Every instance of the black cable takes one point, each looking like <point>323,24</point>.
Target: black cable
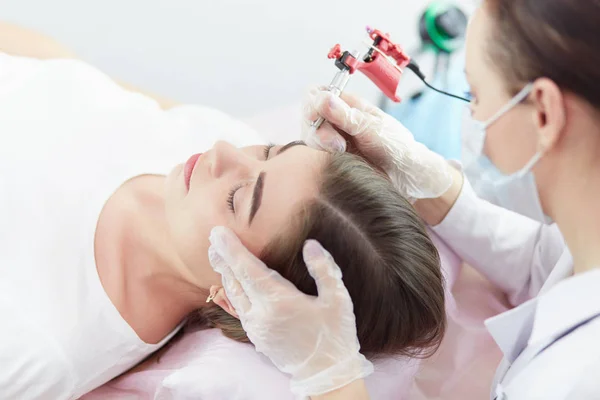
<point>415,68</point>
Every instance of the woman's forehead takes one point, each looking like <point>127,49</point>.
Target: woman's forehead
<point>290,180</point>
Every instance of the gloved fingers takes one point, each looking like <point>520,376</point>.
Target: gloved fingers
<point>352,100</point>
<point>354,116</point>
<point>256,279</point>
<point>326,273</point>
<point>233,253</point>
<point>309,136</point>
<point>361,104</point>
<point>353,121</point>
<point>235,293</point>
<point>325,138</point>
<point>310,111</point>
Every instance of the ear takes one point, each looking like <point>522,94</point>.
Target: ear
<point>220,299</point>
<point>550,113</point>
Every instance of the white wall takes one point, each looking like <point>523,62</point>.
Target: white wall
<point>242,56</point>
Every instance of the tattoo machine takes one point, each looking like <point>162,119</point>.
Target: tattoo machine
<point>383,64</point>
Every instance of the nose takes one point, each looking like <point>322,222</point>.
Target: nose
<point>226,159</point>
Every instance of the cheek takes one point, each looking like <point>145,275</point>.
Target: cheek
<point>510,142</point>
<point>190,225</point>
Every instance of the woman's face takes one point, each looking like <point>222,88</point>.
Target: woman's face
<point>511,141</point>
<point>255,191</point>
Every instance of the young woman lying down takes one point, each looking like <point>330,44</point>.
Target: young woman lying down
<point>105,217</point>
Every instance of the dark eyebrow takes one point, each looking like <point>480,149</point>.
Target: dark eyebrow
<point>260,182</point>
<point>257,196</point>
<point>290,145</point>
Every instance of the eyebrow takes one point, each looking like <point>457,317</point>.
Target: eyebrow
<point>290,145</point>
<point>260,182</point>
<point>257,196</point>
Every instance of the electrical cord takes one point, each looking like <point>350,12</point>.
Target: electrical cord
<point>414,67</point>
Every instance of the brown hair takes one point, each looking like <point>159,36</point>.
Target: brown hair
<point>556,39</point>
<point>389,264</point>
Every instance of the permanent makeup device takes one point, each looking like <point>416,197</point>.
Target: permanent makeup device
<point>384,64</point>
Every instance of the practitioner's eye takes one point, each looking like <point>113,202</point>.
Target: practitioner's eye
<point>471,96</point>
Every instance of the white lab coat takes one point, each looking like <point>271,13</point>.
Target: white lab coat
<point>527,258</point>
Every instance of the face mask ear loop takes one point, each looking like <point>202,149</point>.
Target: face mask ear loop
<point>529,166</point>
<point>522,95</point>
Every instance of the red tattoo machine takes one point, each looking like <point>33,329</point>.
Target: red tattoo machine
<point>383,64</point>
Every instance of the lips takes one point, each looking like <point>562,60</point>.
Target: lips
<point>188,169</point>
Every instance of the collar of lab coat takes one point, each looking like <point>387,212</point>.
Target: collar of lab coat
<point>546,317</point>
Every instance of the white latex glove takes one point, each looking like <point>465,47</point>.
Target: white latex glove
<point>313,339</point>
<point>417,172</point>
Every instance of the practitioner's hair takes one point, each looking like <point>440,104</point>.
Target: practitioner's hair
<point>555,39</point>
<point>389,264</point>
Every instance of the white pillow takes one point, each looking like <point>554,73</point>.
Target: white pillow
<point>220,368</point>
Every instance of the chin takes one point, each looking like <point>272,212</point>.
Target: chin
<point>174,179</point>
<point>174,187</point>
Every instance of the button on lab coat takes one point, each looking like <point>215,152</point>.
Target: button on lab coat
<point>526,259</point>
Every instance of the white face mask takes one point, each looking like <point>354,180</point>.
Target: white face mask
<point>518,191</point>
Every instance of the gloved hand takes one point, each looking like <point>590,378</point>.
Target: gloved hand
<point>313,339</point>
<point>417,172</point>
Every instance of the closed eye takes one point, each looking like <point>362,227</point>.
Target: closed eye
<point>267,150</point>
<point>230,197</point>
<point>231,194</point>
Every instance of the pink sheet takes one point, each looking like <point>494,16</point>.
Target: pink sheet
<point>206,365</point>
<point>464,366</point>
